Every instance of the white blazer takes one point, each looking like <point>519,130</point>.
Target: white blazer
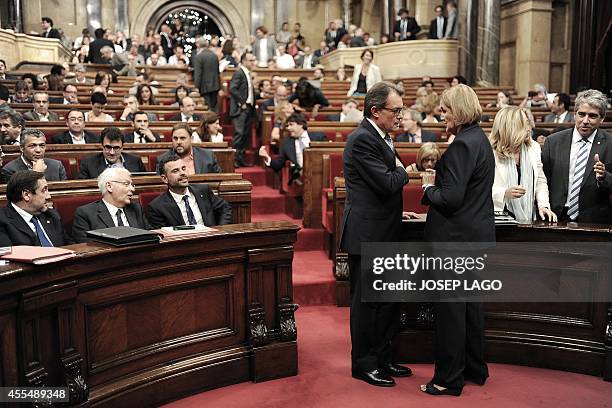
<point>372,77</point>
<point>500,185</point>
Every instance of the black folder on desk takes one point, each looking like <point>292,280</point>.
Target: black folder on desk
<point>124,236</point>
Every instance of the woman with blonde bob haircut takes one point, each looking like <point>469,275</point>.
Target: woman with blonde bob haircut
<point>519,175</point>
<point>460,211</point>
<point>427,157</point>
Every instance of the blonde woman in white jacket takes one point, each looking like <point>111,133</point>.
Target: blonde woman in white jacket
<point>520,182</point>
<point>365,75</point>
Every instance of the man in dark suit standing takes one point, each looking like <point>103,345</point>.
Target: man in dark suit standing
<point>111,156</point>
<point>206,74</point>
<point>187,114</point>
<point>185,204</point>
<point>437,27</point>
<point>141,132</point>
<point>166,40</point>
<point>33,145</point>
<point>578,164</point>
<point>406,28</point>
<point>293,147</point>
<point>242,103</point>
<point>48,30</point>
<point>114,209</point>
<point>374,178</point>
<point>26,219</point>
<point>96,45</point>
<point>76,133</point>
<point>196,159</point>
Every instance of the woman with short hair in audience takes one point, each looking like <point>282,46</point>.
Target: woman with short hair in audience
<point>282,111</point>
<point>43,82</point>
<point>341,75</point>
<point>427,106</point>
<point>104,79</point>
<point>31,81</point>
<point>411,123</point>
<point>210,129</point>
<point>284,35</point>
<point>144,95</point>
<point>22,93</point>
<point>456,80</point>
<point>179,93</point>
<point>365,75</point>
<point>520,182</point>
<point>98,103</point>
<point>503,99</point>
<point>427,157</point>
<point>228,60</point>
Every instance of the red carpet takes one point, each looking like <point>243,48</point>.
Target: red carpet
<point>324,380</point>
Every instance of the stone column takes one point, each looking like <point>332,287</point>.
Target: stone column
<point>386,19</point>
<point>258,11</point>
<point>17,15</point>
<point>488,57</point>
<point>467,22</point>
<point>347,16</point>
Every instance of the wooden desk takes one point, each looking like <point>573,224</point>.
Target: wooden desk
<point>144,325</point>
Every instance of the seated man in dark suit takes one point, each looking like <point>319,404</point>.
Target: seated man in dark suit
<point>111,156</point>
<point>76,133</point>
<point>560,110</point>
<point>293,147</point>
<point>185,204</point>
<point>187,105</point>
<point>113,210</point>
<point>11,125</point>
<point>411,122</point>
<point>33,145</point>
<point>40,101</point>
<point>141,132</point>
<point>26,219</point>
<point>197,159</point>
<point>70,96</point>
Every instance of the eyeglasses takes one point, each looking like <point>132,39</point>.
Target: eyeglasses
<point>125,183</point>
<point>112,148</point>
<point>395,111</point>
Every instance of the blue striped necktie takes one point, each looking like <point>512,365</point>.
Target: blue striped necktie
<point>190,215</point>
<point>389,141</point>
<point>40,233</point>
<point>579,170</point>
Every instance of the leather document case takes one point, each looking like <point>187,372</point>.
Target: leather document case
<point>124,236</point>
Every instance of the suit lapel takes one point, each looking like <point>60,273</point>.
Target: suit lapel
<point>104,215</point>
<point>173,208</point>
<point>132,216</point>
<point>19,223</point>
<point>202,206</point>
<point>564,151</point>
<point>101,164</point>
<point>388,154</point>
<point>47,223</point>
<point>599,146</point>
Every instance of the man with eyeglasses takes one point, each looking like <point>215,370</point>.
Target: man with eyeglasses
<point>375,178</point>
<point>32,144</point>
<point>242,103</point>
<point>11,125</point>
<point>111,156</point>
<point>70,96</point>
<point>26,219</point>
<point>578,164</point>
<point>76,133</point>
<point>114,209</point>
<point>40,113</point>
<point>185,204</point>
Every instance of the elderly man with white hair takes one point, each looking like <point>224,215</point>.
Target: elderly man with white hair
<point>114,209</point>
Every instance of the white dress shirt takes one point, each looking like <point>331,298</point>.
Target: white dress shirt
<point>440,22</point>
<point>77,139</point>
<point>112,210</point>
<point>263,53</point>
<point>178,198</point>
<point>561,117</point>
<point>250,97</point>
<point>576,143</point>
<point>301,143</point>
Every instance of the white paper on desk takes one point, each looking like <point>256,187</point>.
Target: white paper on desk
<point>198,228</point>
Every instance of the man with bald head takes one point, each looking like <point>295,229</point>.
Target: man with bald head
<point>114,209</point>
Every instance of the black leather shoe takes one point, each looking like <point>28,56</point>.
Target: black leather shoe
<point>396,370</point>
<point>374,377</point>
<point>432,390</point>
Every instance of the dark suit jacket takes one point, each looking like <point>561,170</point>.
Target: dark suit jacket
<point>53,33</point>
<point>373,207</point>
<point>15,231</point>
<point>206,71</point>
<point>129,137</point>
<point>32,115</point>
<point>94,50</point>
<point>167,44</point>
<point>412,27</point>
<point>333,42</point>
<point>239,92</point>
<point>594,200</point>
<point>461,203</point>
<point>287,150</point>
<point>426,136</point>
<point>55,170</point>
<point>177,118</point>
<point>433,29</point>
<point>204,160</point>
<point>91,167</point>
<point>319,99</point>
<point>551,117</point>
<point>163,211</point>
<point>59,100</point>
<point>65,138</point>
<point>95,216</point>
